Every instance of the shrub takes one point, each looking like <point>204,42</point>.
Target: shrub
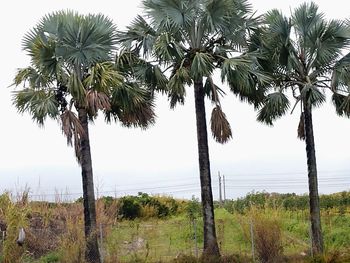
<point>267,239</point>
<point>144,205</point>
<point>130,208</point>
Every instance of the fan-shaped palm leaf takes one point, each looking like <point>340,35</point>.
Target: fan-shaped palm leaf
<point>132,105</point>
<point>275,105</point>
<point>38,102</point>
<point>202,65</point>
<point>342,104</point>
<point>311,95</point>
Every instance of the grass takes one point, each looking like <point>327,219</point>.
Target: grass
<point>169,238</point>
<point>55,234</point>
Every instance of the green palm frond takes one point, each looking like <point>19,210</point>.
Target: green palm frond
<point>171,14</point>
<point>132,105</point>
<point>87,40</point>
<point>76,88</point>
<point>275,105</point>
<point>167,49</point>
<point>342,104</point>
<point>151,75</point>
<point>39,103</point>
<point>276,39</point>
<point>176,86</point>
<point>220,127</point>
<point>215,15</point>
<point>202,65</point>
<point>340,74</point>
<point>76,39</point>
<point>102,76</point>
<point>312,96</point>
<point>327,40</point>
<point>245,78</point>
<point>305,18</point>
<point>32,77</point>
<point>139,36</point>
<point>125,61</point>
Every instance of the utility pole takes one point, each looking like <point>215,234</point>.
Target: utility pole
<point>220,194</point>
<point>224,184</point>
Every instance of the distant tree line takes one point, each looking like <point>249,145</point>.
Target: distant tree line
<point>289,201</point>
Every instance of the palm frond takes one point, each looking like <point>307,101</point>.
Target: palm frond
<point>73,130</point>
<point>301,127</point>
<point>220,127</point>
<point>126,60</point>
<point>202,65</point>
<point>176,86</point>
<point>342,104</point>
<point>171,14</point>
<point>245,78</point>
<point>132,105</point>
<point>102,76</point>
<point>39,103</point>
<point>97,101</point>
<point>305,18</point>
<point>150,75</point>
<point>213,91</point>
<point>167,49</point>
<point>341,74</point>
<point>216,14</point>
<point>31,76</point>
<point>312,96</point>
<point>327,41</point>
<point>76,88</point>
<point>139,36</point>
<point>275,105</point>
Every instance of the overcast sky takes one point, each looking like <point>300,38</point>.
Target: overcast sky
<point>162,159</point>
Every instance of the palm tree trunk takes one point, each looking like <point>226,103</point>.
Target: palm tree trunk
<point>315,218</point>
<point>210,241</point>
<point>92,254</point>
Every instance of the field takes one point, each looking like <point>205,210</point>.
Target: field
<point>161,229</point>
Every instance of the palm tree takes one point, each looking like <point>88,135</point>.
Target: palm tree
<point>301,53</point>
<point>192,38</point>
<point>72,76</point>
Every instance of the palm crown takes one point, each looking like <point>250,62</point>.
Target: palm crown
<point>72,64</point>
<point>301,54</point>
<point>193,38</point>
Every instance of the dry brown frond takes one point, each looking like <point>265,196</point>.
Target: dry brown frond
<point>220,127</point>
<point>73,130</point>
<point>97,101</point>
<point>301,127</point>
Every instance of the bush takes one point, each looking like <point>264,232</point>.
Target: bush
<point>146,206</point>
<point>267,239</point>
<point>130,208</point>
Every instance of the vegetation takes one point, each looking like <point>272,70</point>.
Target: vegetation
<point>291,202</point>
<point>300,54</point>
<point>54,230</point>
<point>76,72</point>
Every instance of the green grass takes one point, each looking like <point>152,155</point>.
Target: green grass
<point>167,238</point>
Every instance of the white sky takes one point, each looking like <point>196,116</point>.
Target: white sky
<point>162,159</point>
